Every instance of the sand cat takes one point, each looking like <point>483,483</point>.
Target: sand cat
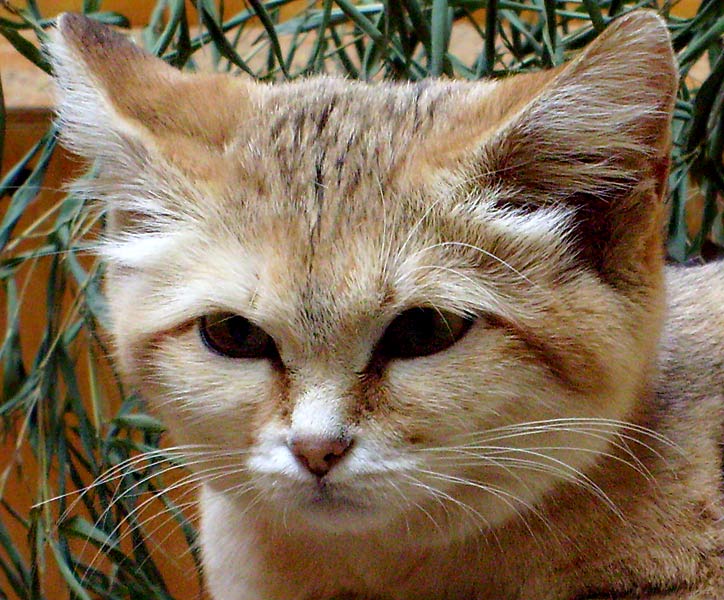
<point>415,336</point>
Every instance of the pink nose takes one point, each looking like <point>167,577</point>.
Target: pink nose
<point>317,453</point>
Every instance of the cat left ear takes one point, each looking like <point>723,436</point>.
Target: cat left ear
<point>596,138</point>
<point>113,95</point>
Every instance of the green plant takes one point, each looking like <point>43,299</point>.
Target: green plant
<point>66,406</point>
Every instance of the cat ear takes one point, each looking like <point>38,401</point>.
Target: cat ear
<point>596,138</point>
<point>155,133</point>
<point>113,96</point>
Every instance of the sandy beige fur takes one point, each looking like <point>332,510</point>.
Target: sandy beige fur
<point>567,447</point>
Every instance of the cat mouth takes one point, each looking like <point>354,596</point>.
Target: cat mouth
<point>330,509</point>
<point>326,501</point>
<point>326,496</point>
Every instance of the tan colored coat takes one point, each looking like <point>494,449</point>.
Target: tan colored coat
<point>561,448</point>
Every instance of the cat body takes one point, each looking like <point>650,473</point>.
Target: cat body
<point>414,338</point>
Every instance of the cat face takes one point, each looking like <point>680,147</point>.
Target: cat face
<point>362,304</point>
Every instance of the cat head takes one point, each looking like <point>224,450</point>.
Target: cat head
<point>372,303</point>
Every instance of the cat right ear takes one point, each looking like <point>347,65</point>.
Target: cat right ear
<point>155,133</point>
<point>115,98</point>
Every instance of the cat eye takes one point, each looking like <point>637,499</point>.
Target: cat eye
<point>421,331</point>
<point>236,337</point>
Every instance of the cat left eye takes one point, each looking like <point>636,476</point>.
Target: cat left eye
<point>234,336</point>
<point>421,331</point>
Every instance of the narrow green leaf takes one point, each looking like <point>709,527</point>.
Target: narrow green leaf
<point>316,59</point>
<point>491,33</point>
<point>699,45</point>
<point>678,236</point>
<point>374,53</point>
<point>14,373</point>
<point>439,36</point>
<point>419,24</point>
<point>15,177</point>
<point>517,25</point>
<point>139,421</point>
<point>82,529</point>
<point>14,567</point>
<point>349,67</point>
<point>25,47</point>
<point>683,35</point>
<point>615,7</point>
<point>360,20</point>
<point>67,572</point>
<point>90,6</point>
<point>707,95</point>
<point>177,16</point>
<point>155,25</point>
<point>550,33</point>
<point>594,11</point>
<point>221,43</point>
<point>313,20</point>
<point>23,398</point>
<point>28,191</point>
<point>271,32</point>
<point>36,542</point>
<point>708,217</point>
<point>109,17</point>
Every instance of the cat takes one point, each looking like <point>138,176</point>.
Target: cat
<point>418,339</point>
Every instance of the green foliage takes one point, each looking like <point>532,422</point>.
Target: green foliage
<point>77,429</point>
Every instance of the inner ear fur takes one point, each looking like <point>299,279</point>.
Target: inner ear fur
<point>109,86</point>
<point>595,137</point>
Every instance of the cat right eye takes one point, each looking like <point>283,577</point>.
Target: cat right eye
<point>421,331</point>
<point>234,336</point>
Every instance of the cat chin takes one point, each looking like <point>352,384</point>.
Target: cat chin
<point>335,509</point>
<point>329,509</point>
<point>339,517</point>
<point>330,516</point>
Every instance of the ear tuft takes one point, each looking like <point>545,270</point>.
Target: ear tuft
<point>90,61</point>
<point>89,38</point>
<point>113,93</point>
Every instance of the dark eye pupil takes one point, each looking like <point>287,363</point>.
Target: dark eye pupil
<point>236,337</point>
<point>236,327</point>
<point>421,332</point>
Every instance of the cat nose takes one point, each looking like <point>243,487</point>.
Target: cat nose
<point>319,453</point>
